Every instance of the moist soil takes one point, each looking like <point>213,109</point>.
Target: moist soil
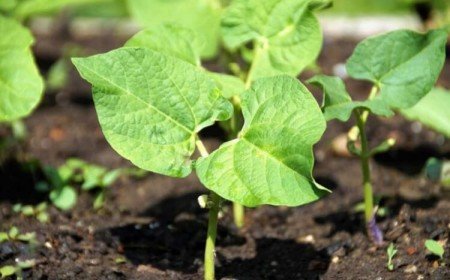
<point>153,228</point>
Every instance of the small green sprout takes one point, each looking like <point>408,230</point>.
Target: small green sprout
<point>14,235</point>
<point>39,211</point>
<point>61,181</point>
<point>391,252</point>
<point>435,248</point>
<point>10,270</point>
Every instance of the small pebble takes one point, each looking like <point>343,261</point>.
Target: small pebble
<point>411,269</point>
<point>411,250</point>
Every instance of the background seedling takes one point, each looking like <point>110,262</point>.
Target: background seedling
<point>39,211</point>
<point>14,235</point>
<point>435,248</point>
<point>397,84</point>
<point>391,252</point>
<point>61,182</point>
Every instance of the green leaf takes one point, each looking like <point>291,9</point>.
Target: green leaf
<point>7,5</point>
<point>99,200</point>
<point>435,247</point>
<point>432,110</point>
<point>3,237</point>
<point>271,162</point>
<point>286,35</point>
<point>201,16</point>
<point>7,270</point>
<point>13,232</point>
<point>403,64</point>
<point>337,103</point>
<point>228,84</point>
<point>64,198</point>
<point>21,86</point>
<point>170,39</point>
<point>28,8</point>
<point>151,106</point>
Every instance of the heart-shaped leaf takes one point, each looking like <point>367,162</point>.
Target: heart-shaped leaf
<point>271,161</point>
<point>21,85</point>
<point>286,35</point>
<point>151,106</point>
<point>403,64</point>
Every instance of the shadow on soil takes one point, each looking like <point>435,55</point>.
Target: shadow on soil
<point>18,180</point>
<point>175,239</point>
<point>278,259</point>
<point>409,161</point>
<point>353,222</point>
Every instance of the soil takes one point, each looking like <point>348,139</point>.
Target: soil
<point>153,228</point>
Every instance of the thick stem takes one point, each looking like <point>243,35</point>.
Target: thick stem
<point>368,191</point>
<point>238,214</point>
<point>214,207</point>
<point>210,248</point>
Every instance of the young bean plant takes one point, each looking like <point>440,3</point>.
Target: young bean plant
<point>153,99</point>
<point>403,66</point>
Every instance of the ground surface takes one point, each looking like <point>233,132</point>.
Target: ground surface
<point>156,224</point>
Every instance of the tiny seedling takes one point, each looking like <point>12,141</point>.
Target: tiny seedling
<point>14,235</point>
<point>399,82</point>
<point>435,248</point>
<point>11,270</point>
<point>39,211</point>
<point>391,252</point>
<point>61,182</point>
<point>153,98</point>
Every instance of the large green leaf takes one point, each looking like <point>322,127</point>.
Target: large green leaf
<point>271,162</point>
<point>169,39</point>
<point>286,35</point>
<point>202,16</point>
<point>432,110</point>
<point>337,103</point>
<point>21,86</point>
<point>151,106</point>
<point>403,64</point>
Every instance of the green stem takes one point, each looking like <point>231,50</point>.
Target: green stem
<point>365,167</point>
<point>256,57</point>
<point>214,204</point>
<point>238,214</point>
<point>214,207</point>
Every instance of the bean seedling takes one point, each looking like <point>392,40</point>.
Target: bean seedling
<point>399,82</point>
<point>391,252</point>
<point>153,98</point>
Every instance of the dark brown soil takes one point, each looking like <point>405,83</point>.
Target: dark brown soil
<point>156,224</point>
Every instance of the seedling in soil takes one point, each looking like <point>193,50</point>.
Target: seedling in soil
<point>14,235</point>
<point>435,248</point>
<point>399,82</point>
<point>391,252</point>
<point>153,98</point>
<point>11,270</point>
<point>61,182</point>
<point>39,211</point>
